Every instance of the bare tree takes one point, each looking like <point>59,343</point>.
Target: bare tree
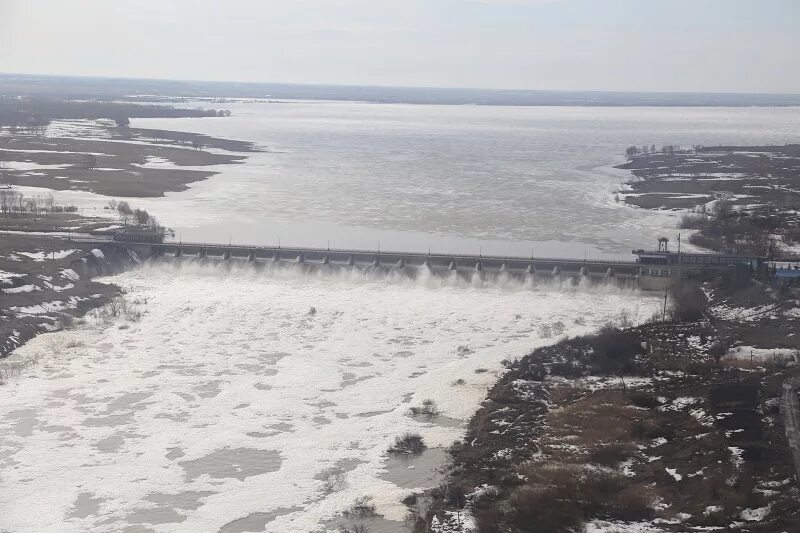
<point>723,209</point>
<point>6,201</point>
<point>20,200</point>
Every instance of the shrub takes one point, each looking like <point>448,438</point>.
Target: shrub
<point>632,504</point>
<point>428,408</point>
<point>488,519</point>
<point>74,343</point>
<point>643,399</point>
<point>408,444</point>
<point>543,510</point>
<point>334,480</point>
<point>560,497</point>
<point>646,430</point>
<point>614,351</point>
<point>610,454</point>
<point>688,302</point>
<point>545,331</point>
<point>361,508</point>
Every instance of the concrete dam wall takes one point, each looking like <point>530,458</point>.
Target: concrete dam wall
<point>410,264</point>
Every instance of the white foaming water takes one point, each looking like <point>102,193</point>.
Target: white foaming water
<point>230,399</point>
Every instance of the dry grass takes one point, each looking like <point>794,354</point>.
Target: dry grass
<point>602,417</point>
<point>12,369</point>
<point>408,444</point>
<point>559,496</point>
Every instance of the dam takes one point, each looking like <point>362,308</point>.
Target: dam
<point>646,271</point>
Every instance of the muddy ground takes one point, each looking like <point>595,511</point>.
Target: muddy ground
<point>749,175</point>
<point>46,276</point>
<point>654,428</point>
<point>127,162</point>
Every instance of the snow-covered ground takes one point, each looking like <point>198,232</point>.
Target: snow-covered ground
<point>43,256</point>
<point>762,354</point>
<point>230,397</point>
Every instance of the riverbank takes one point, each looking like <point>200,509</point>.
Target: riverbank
<point>98,157</point>
<point>663,427</point>
<point>670,426</point>
<point>46,276</point>
<point>743,199</point>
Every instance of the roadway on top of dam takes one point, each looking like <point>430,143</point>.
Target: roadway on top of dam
<point>388,258</point>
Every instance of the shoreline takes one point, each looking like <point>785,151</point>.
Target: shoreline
<point>116,161</point>
<point>683,385</point>
<point>673,410</point>
<point>46,283</point>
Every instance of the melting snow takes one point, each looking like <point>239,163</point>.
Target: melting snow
<point>42,256</point>
<point>21,288</point>
<point>761,354</point>
<point>755,515</point>
<point>70,274</point>
<point>6,278</point>
<point>736,456</point>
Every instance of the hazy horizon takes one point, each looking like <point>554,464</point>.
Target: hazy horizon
<point>710,46</point>
<point>382,86</point>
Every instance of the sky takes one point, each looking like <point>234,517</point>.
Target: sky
<point>625,45</point>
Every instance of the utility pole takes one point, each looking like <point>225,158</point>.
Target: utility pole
<point>664,313</point>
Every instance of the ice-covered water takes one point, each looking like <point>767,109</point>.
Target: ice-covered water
<point>506,180</point>
<point>230,402</point>
<point>461,179</point>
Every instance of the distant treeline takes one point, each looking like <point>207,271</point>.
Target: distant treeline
<point>14,203</point>
<point>115,88</point>
<point>33,115</point>
<point>669,149</point>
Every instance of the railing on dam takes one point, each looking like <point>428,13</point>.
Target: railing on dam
<point>245,249</point>
<point>627,273</point>
<point>640,273</point>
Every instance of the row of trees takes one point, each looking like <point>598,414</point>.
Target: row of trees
<point>31,125</point>
<point>15,203</point>
<point>33,115</point>
<point>138,217</point>
<point>727,229</point>
<point>667,149</point>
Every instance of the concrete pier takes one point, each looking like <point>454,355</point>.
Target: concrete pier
<point>410,263</point>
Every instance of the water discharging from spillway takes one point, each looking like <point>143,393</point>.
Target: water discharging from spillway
<point>239,390</point>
